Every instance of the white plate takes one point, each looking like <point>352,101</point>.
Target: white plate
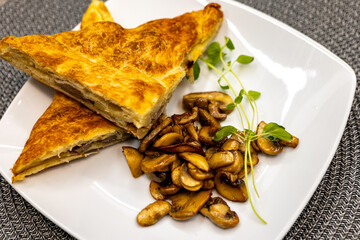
<point>304,87</point>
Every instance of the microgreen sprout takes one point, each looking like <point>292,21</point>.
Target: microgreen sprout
<point>215,56</point>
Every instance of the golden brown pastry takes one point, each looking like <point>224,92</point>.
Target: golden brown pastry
<point>126,75</point>
<point>66,131</point>
<point>96,12</point>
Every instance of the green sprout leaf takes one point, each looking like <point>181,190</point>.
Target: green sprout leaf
<point>229,44</point>
<point>213,52</point>
<point>224,132</point>
<point>230,106</point>
<point>238,99</point>
<point>244,59</point>
<point>196,70</point>
<point>254,94</point>
<point>223,87</point>
<point>274,132</point>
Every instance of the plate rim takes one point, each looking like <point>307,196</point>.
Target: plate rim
<point>319,177</point>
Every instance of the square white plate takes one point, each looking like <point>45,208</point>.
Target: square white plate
<point>304,87</point>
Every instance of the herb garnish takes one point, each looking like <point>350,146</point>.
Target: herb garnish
<point>272,131</point>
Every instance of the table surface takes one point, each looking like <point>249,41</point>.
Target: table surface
<point>333,211</point>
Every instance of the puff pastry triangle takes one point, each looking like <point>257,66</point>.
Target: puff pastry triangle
<point>126,75</point>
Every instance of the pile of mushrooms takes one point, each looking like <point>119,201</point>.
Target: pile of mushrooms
<point>172,156</point>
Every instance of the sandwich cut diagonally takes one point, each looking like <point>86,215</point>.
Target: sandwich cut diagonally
<point>125,75</point>
<point>67,130</point>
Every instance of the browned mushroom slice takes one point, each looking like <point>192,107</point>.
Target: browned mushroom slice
<point>190,118</point>
<point>177,128</point>
<point>168,139</point>
<point>192,131</point>
<point>166,130</point>
<point>152,152</point>
<point>183,147</point>
<point>292,143</point>
<point>201,103</point>
<point>152,213</point>
<point>230,145</point>
<point>187,181</point>
<point>133,158</point>
<point>230,187</point>
<point>236,166</point>
<point>221,159</point>
<point>168,189</point>
<point>265,145</point>
<point>175,164</point>
<point>206,135</point>
<point>221,98</point>
<point>146,142</point>
<point>186,204</point>
<point>207,120</point>
<point>255,146</point>
<point>197,173</point>
<point>196,159</point>
<point>208,184</point>
<point>241,174</point>
<point>155,191</point>
<point>175,176</point>
<point>217,210</point>
<point>210,151</point>
<point>158,177</point>
<point>214,110</point>
<point>153,164</point>
<point>254,159</point>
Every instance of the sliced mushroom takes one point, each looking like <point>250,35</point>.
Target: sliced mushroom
<point>221,159</point>
<point>168,189</point>
<point>197,173</point>
<point>210,151</point>
<point>153,164</point>
<point>206,135</point>
<point>196,159</point>
<point>236,166</point>
<point>265,145</point>
<point>292,143</point>
<point>241,174</point>
<point>254,159</point>
<point>230,145</point>
<point>230,187</point>
<point>201,103</point>
<point>175,164</point>
<point>208,184</point>
<point>217,210</point>
<point>190,118</point>
<point>186,204</point>
<point>152,213</point>
<point>187,181</point>
<point>146,142</point>
<point>152,152</point>
<point>166,130</point>
<point>177,128</point>
<point>133,158</point>
<point>221,98</point>
<point>207,120</point>
<point>190,128</point>
<point>183,147</point>
<point>168,139</point>
<point>155,191</point>
<point>214,110</point>
<point>158,177</point>
<point>255,146</point>
<point>175,176</point>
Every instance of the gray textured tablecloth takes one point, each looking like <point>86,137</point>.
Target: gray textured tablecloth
<point>333,211</point>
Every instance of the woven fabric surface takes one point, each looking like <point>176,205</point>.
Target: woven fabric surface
<point>333,211</point>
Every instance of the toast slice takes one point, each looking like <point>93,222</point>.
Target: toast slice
<point>65,132</point>
<point>125,75</point>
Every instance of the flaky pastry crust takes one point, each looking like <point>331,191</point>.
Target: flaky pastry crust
<point>126,75</point>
